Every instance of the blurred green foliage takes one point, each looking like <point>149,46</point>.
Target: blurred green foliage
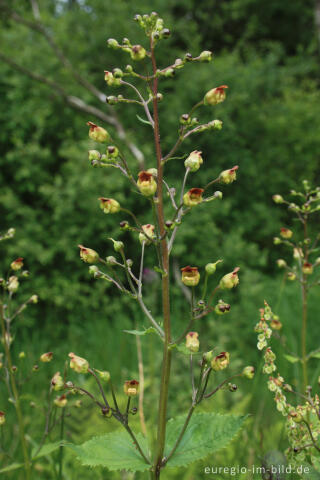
<point>266,52</point>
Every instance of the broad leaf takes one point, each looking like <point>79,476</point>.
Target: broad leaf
<point>206,433</point>
<point>291,358</point>
<point>115,451</point>
<point>141,332</point>
<point>46,449</point>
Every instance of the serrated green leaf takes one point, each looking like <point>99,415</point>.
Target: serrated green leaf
<point>205,434</point>
<point>142,120</point>
<point>141,332</point>
<point>46,449</point>
<point>115,451</point>
<point>291,358</point>
<point>13,466</point>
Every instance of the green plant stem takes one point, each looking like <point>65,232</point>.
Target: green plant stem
<point>61,448</point>
<point>304,287</point>
<point>27,465</point>
<point>184,428</point>
<point>166,363</point>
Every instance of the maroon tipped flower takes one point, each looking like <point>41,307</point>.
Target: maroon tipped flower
<point>17,264</point>
<point>131,388</point>
<point>146,183</point>
<point>215,95</point>
<point>98,134</point>
<point>46,357</point>
<point>228,176</point>
<point>230,280</point>
<point>190,276</point>
<point>88,255</point>
<point>192,342</point>
<point>221,361</point>
<point>193,197</point>
<point>307,268</point>
<point>286,233</point>
<point>109,205</point>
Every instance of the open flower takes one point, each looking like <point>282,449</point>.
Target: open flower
<point>215,95</point>
<point>88,255</point>
<point>228,176</point>
<point>131,388</point>
<point>286,233</point>
<point>149,231</point>
<point>221,361</point>
<point>78,364</point>
<point>230,280</point>
<point>307,268</point>
<point>194,161</point>
<point>146,183</point>
<point>109,205</point>
<point>57,382</point>
<point>98,134</point>
<point>190,276</point>
<point>193,197</point>
<point>192,341</point>
<point>17,264</point>
<point>46,357</point>
<point>2,418</point>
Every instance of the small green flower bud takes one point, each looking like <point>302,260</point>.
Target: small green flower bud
<point>94,271</point>
<point>98,134</point>
<point>129,68</point>
<point>188,57</point>
<point>159,97</point>
<point>17,264</point>
<point>178,63</point>
<point>192,342</point>
<point>112,43</point>
<point>228,176</point>
<point>291,276</point>
<point>216,125</point>
<point>281,263</point>
<point>2,418</point>
<point>207,357</point>
<point>222,308</point>
<point>46,357</point>
<point>104,375</point>
<point>276,240</point>
<point>277,199</point>
<point>34,299</point>
<point>286,233</point>
<point>146,183</point>
<point>111,100</point>
<point>185,119</point>
<point>88,255</point>
<point>221,361</point>
<point>218,195</point>
<point>230,280</point>
<point>149,230</point>
<point>193,197</point>
<point>205,56</point>
<point>211,267</point>
<point>137,52</point>
<point>190,276</point>
<point>61,401</point>
<point>165,33</point>
<point>94,155</point>
<point>78,364</point>
<point>232,387</point>
<point>111,79</point>
<point>117,245</point>
<point>22,355</point>
<point>248,372</point>
<point>112,151</point>
<point>111,261</point>
<point>215,95</point>
<point>117,73</point>
<point>124,225</point>
<point>109,205</point>
<point>296,417</point>
<point>35,368</point>
<point>169,72</point>
<point>131,388</point>
<point>194,161</point>
<point>153,171</point>
<point>129,262</point>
